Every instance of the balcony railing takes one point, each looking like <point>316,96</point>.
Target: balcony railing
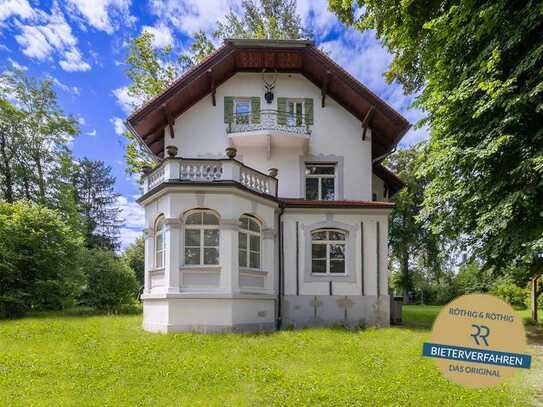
<point>210,171</point>
<point>272,120</point>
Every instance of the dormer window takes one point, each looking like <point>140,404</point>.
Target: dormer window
<point>320,182</point>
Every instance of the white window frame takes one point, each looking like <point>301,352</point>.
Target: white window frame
<point>160,252</point>
<point>248,234</point>
<point>202,228</point>
<point>329,242</point>
<point>293,117</point>
<point>249,113</point>
<point>320,177</point>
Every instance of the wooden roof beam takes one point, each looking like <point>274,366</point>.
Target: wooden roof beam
<point>212,87</point>
<point>169,119</point>
<point>366,122</point>
<point>324,88</point>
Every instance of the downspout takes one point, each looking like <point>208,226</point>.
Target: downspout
<point>385,155</point>
<point>281,270</point>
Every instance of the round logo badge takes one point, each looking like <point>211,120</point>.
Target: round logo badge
<point>478,341</point>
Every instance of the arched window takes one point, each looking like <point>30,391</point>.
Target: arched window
<point>201,238</point>
<point>249,242</point>
<point>160,244</point>
<point>328,251</point>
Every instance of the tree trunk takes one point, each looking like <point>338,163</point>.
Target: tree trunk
<point>534,296</point>
<point>404,270</point>
<point>6,169</point>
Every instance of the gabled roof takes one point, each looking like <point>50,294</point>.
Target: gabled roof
<point>292,56</point>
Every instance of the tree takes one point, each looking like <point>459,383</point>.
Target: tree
<point>97,202</point>
<point>38,258</point>
<point>11,119</point>
<point>134,256</point>
<point>152,69</point>
<point>35,136</point>
<point>109,281</point>
<point>478,68</point>
<point>412,243</point>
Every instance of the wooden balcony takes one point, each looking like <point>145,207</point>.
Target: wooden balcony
<point>202,170</point>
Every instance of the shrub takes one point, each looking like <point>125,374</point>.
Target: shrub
<point>510,293</point>
<point>110,283</point>
<point>38,268</point>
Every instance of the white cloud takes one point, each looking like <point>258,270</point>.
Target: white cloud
<point>73,62</point>
<point>15,8</point>
<point>162,35</point>
<point>128,236</point>
<point>16,65</point>
<point>118,125</point>
<point>127,102</point>
<point>315,15</point>
<point>191,16</point>
<point>51,36</point>
<point>74,90</point>
<point>91,133</point>
<point>104,15</point>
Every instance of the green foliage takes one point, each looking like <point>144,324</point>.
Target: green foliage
<point>414,248</point>
<point>471,278</point>
<point>110,283</point>
<point>34,137</point>
<point>38,258</point>
<point>478,67</point>
<point>109,360</point>
<point>93,186</point>
<point>134,256</point>
<point>510,293</point>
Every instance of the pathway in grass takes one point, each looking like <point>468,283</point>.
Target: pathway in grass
<point>109,360</point>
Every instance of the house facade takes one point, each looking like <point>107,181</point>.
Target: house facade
<point>268,206</point>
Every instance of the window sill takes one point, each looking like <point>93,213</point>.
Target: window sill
<point>253,271</point>
<point>200,268</point>
<point>329,275</point>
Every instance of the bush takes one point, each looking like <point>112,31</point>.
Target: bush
<point>38,268</point>
<point>110,283</point>
<point>510,293</point>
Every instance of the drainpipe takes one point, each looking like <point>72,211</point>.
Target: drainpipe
<point>385,155</point>
<point>281,270</point>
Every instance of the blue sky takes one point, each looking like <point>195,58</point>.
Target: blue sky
<point>81,45</point>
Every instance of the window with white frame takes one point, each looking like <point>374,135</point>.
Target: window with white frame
<point>320,181</point>
<point>295,112</point>
<point>201,238</point>
<point>328,251</point>
<point>249,243</point>
<point>160,243</point>
<point>242,109</point>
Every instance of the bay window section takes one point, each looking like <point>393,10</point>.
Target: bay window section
<point>249,243</point>
<point>202,239</point>
<point>160,243</point>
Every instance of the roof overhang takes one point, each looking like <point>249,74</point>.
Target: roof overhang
<point>297,56</point>
<point>391,180</point>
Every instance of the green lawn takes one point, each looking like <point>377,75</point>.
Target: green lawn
<point>108,360</point>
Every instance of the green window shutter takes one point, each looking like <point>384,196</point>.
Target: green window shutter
<point>282,111</point>
<point>255,110</point>
<point>308,107</point>
<point>228,109</point>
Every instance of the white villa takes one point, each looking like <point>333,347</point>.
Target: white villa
<point>268,206</point>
